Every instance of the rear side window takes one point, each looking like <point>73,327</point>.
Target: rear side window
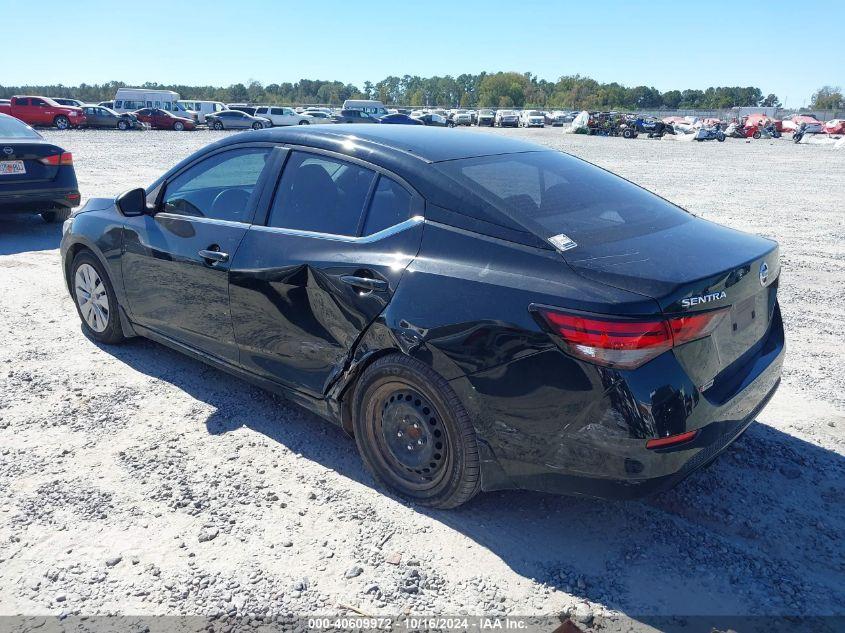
<point>391,204</point>
<point>321,194</point>
<point>218,187</point>
<point>554,193</point>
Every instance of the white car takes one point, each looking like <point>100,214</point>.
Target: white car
<point>532,118</point>
<point>462,117</point>
<point>202,108</point>
<point>279,115</point>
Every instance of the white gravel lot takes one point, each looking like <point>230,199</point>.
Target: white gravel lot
<point>134,480</point>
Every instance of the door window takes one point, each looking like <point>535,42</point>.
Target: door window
<point>321,194</point>
<point>391,204</point>
<point>220,187</point>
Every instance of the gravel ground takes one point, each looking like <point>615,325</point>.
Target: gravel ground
<point>134,480</point>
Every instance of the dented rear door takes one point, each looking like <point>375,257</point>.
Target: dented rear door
<point>301,298</point>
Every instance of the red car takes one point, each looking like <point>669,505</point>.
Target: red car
<point>44,111</point>
<point>164,120</point>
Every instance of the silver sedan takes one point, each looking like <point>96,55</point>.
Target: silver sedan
<point>235,120</point>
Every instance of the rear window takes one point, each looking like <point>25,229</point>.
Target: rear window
<point>553,193</point>
<point>13,128</point>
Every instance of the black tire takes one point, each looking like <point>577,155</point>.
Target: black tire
<point>217,125</point>
<point>178,126</point>
<point>113,333</point>
<point>627,133</point>
<point>122,125</point>
<point>55,215</point>
<point>303,123</point>
<point>62,122</point>
<point>257,126</point>
<point>720,137</point>
<point>756,135</point>
<point>443,468</point>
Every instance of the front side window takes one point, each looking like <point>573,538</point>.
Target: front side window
<point>321,194</point>
<point>219,187</point>
<point>391,204</point>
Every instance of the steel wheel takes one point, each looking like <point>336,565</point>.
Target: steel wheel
<point>410,440</point>
<point>91,297</point>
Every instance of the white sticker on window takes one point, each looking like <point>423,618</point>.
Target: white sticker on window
<point>562,242</point>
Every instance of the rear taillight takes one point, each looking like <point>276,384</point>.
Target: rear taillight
<point>625,343</point>
<point>65,158</point>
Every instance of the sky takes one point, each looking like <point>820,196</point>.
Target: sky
<point>214,42</point>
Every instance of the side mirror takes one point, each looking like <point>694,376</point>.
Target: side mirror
<point>132,203</point>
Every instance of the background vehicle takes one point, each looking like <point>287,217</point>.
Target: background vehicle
<point>435,120</point>
<point>133,99</point>
<point>35,176</point>
<point>98,116</point>
<point>353,116</point>
<point>372,107</point>
<point>43,111</point>
<point>107,104</point>
<point>242,107</point>
<point>507,118</point>
<point>336,286</point>
<point>532,118</point>
<point>202,108</point>
<point>318,117</point>
<point>278,116</point>
<point>68,102</point>
<point>486,118</point>
<point>461,117</point>
<point>235,120</point>
<point>400,119</point>
<point>163,120</point>
<point>710,133</point>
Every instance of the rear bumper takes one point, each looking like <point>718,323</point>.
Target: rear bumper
<point>36,200</point>
<point>554,424</point>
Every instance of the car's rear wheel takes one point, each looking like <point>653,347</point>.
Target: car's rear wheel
<point>61,122</point>
<point>55,215</point>
<point>122,125</point>
<point>178,126</point>
<point>95,300</point>
<point>217,125</point>
<point>414,434</point>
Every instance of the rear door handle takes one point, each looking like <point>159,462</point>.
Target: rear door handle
<point>366,283</point>
<point>214,256</point>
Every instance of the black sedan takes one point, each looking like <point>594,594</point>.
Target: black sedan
<point>35,176</point>
<point>102,117</point>
<point>353,116</point>
<point>478,312</point>
<point>399,119</point>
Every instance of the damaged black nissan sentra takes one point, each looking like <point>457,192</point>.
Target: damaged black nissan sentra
<point>480,313</point>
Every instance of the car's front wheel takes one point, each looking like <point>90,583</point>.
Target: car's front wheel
<point>217,125</point>
<point>178,126</point>
<point>61,122</point>
<point>257,126</point>
<point>304,123</point>
<point>414,434</point>
<point>123,125</point>
<point>95,300</point>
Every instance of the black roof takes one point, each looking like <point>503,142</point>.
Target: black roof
<point>430,144</point>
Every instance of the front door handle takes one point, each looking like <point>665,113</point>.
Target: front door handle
<point>214,257</point>
<point>365,283</point>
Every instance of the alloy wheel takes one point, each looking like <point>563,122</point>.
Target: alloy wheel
<point>91,297</point>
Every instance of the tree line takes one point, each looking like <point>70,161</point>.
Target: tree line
<point>500,90</point>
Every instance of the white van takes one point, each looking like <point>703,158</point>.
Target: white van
<point>373,108</point>
<point>131,99</point>
<point>202,108</point>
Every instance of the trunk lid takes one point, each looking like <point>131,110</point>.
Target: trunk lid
<point>695,266</point>
<point>31,154</point>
